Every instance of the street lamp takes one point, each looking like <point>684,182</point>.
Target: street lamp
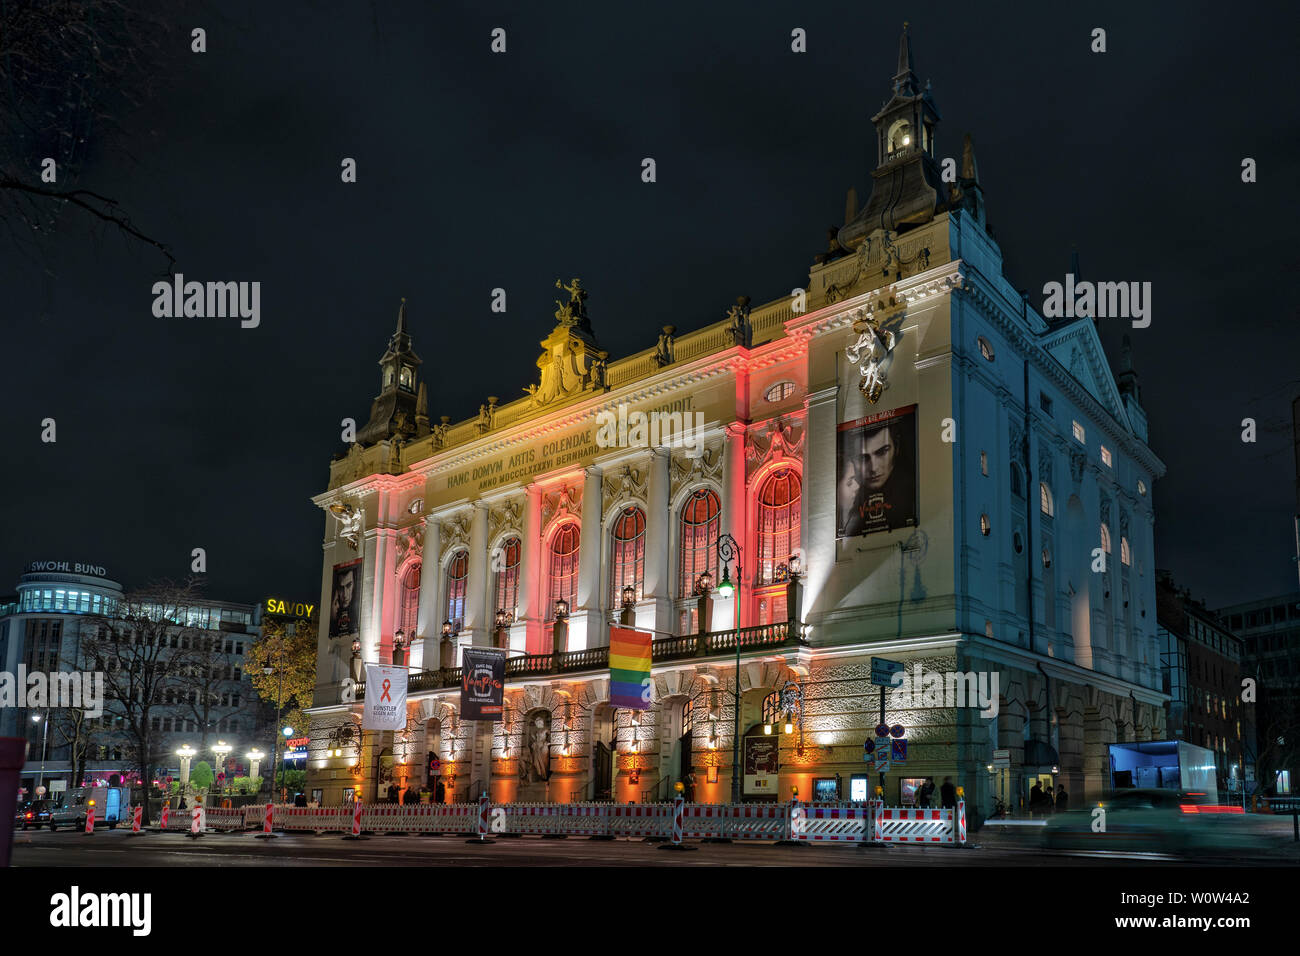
<point>503,620</point>
<point>399,642</point>
<point>222,750</point>
<point>45,736</point>
<point>727,548</point>
<point>255,758</point>
<point>629,596</point>
<point>186,753</point>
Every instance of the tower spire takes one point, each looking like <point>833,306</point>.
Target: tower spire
<point>905,81</point>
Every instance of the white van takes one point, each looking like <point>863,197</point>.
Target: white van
<point>71,806</point>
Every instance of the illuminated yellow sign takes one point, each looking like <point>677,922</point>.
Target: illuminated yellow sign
<point>282,608</point>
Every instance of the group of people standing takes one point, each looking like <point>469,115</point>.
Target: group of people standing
<point>1044,801</point>
<point>406,795</point>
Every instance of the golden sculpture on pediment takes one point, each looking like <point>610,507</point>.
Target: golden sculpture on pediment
<point>571,362</point>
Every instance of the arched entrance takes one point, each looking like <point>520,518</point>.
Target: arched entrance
<point>604,752</point>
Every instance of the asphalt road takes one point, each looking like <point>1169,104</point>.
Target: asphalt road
<point>108,848</point>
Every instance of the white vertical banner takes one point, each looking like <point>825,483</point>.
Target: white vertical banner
<point>385,698</point>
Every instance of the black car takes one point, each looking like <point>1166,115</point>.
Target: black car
<point>33,813</point>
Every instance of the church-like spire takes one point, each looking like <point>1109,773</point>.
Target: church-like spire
<point>1127,380</point>
<point>395,411</point>
<point>906,82</point>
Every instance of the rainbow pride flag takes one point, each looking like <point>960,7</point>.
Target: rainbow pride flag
<point>629,667</point>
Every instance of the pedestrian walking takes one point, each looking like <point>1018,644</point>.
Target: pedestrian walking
<point>1062,800</point>
<point>948,794</point>
<point>1036,798</point>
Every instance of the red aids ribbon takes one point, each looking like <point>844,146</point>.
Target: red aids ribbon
<point>384,695</point>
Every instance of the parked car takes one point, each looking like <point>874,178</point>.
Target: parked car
<point>33,813</point>
<point>72,809</point>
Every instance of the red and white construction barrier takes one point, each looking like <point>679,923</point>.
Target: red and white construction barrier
<point>136,814</point>
<point>678,806</point>
<point>269,818</point>
<point>163,822</point>
<point>196,821</point>
<point>356,819</point>
<point>90,820</point>
<point>961,822</point>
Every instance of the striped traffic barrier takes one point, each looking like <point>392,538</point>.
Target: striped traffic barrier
<point>90,820</point>
<point>137,815</point>
<point>196,822</point>
<point>679,808</point>
<point>961,822</point>
<point>163,822</point>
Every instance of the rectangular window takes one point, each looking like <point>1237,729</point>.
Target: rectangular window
<point>1079,434</point>
<point>1105,457</point>
<point>1044,403</point>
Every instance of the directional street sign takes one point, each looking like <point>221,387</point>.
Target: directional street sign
<point>883,671</point>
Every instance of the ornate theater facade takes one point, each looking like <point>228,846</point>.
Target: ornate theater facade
<point>902,460</point>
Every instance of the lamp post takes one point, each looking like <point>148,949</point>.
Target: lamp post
<point>255,758</point>
<point>355,662</point>
<point>445,653</point>
<point>560,635</point>
<point>399,643</point>
<point>727,549</point>
<point>186,753</point>
<point>268,669</point>
<point>222,750</point>
<point>45,736</point>
<point>503,619</point>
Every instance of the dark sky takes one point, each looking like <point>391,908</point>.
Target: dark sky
<point>479,170</point>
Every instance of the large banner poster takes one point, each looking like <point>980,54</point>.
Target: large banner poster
<point>385,698</point>
<point>345,600</point>
<point>629,668</point>
<point>482,683</point>
<point>876,464</point>
<point>762,765</point>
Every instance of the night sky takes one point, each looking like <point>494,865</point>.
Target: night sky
<point>479,170</point>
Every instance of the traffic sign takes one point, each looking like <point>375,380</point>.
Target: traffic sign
<point>883,671</point>
<point>868,745</point>
<point>882,731</point>
<point>896,730</point>
<point>898,750</point>
<point>882,761</point>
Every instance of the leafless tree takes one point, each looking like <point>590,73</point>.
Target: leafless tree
<point>70,70</point>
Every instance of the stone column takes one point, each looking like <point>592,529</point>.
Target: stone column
<point>478,626</point>
<point>531,566</point>
<point>658,531</point>
<point>591,542</point>
<point>429,621</point>
<point>734,517</point>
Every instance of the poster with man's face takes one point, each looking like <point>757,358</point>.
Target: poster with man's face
<point>345,600</point>
<point>876,482</point>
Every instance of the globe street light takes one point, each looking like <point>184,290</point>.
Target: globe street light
<point>186,753</point>
<point>255,758</point>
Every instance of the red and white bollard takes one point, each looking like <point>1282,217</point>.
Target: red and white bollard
<point>878,821</point>
<point>196,822</point>
<point>483,810</point>
<point>356,820</point>
<point>137,814</point>
<point>267,819</point>
<point>679,808</point>
<point>961,822</point>
<point>90,820</point>
<point>163,823</point>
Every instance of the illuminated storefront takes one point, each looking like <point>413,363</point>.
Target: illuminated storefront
<point>847,469</point>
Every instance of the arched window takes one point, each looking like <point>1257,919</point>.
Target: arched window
<point>1105,537</point>
<point>562,573</point>
<point>1045,499</point>
<point>505,587</point>
<point>408,614</point>
<point>627,564</point>
<point>700,526</point>
<point>457,578</point>
<point>1125,552</point>
<point>778,522</point>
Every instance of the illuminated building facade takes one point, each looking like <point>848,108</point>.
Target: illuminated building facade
<point>965,485</point>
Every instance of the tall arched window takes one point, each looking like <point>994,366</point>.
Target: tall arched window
<point>1105,537</point>
<point>457,578</point>
<point>700,526</point>
<point>505,586</point>
<point>409,613</point>
<point>1045,503</point>
<point>627,560</point>
<point>562,572</point>
<point>778,522</point>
